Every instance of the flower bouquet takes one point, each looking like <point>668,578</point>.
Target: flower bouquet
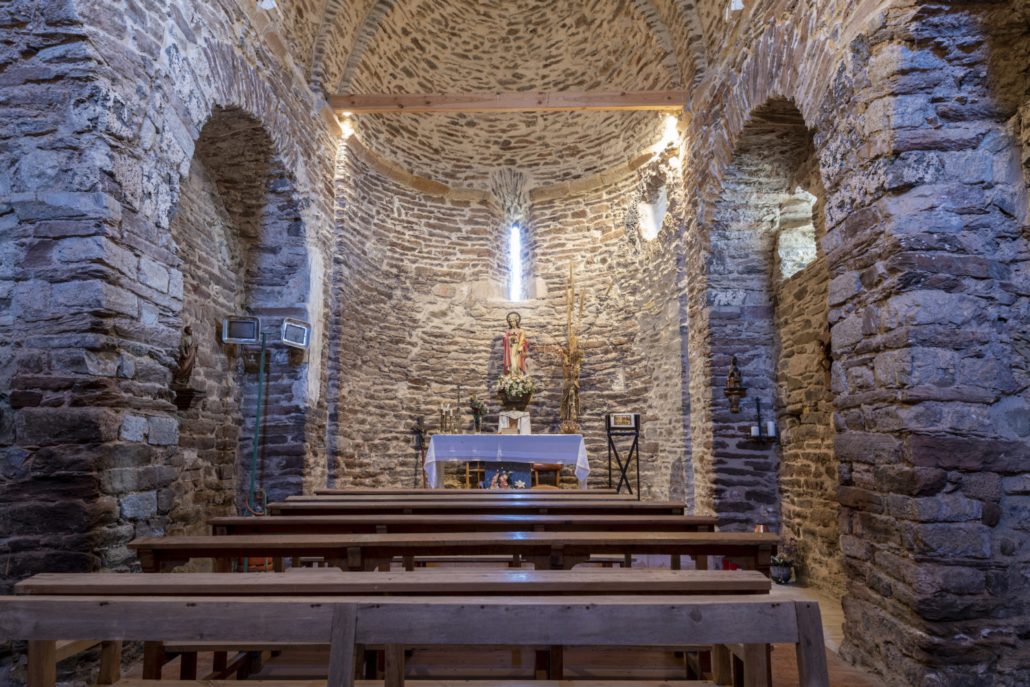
<point>516,390</point>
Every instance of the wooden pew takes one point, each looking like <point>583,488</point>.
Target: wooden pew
<point>396,622</point>
<point>328,506</point>
<point>331,581</point>
<point>382,524</point>
<point>467,495</point>
<point>337,583</point>
<point>395,491</point>
<point>554,550</point>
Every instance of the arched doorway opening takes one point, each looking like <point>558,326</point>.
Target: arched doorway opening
<point>767,289</point>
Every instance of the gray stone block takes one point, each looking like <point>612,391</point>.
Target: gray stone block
<point>163,431</point>
<point>134,428</point>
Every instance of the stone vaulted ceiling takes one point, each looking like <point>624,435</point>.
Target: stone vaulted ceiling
<point>460,46</point>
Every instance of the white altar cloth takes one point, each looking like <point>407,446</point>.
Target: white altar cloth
<point>569,449</point>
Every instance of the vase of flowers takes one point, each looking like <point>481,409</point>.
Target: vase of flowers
<point>478,409</point>
<point>781,566</point>
<point>516,390</point>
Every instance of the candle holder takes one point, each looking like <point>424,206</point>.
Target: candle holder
<point>762,431</point>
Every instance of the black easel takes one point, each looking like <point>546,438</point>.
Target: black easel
<point>418,442</point>
<point>623,425</point>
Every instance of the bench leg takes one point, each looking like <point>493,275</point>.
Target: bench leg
<point>341,646</point>
<point>394,674</point>
<point>188,666</point>
<point>110,663</point>
<point>42,663</point>
<point>812,669</point>
<point>220,664</point>
<point>722,671</point>
<point>756,665</point>
<point>542,658</point>
<point>556,664</point>
<point>153,660</point>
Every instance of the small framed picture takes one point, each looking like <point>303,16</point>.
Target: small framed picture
<point>624,421</point>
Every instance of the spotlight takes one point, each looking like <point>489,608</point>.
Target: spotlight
<point>240,330</point>
<point>295,333</point>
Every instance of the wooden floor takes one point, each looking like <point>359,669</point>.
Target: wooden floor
<point>579,663</point>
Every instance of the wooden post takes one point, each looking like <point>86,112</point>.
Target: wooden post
<point>220,663</point>
<point>756,665</point>
<point>110,663</point>
<point>812,669</point>
<point>153,660</point>
<point>42,663</point>
<point>722,669</point>
<point>556,665</point>
<point>341,645</point>
<point>394,676</point>
<point>188,665</point>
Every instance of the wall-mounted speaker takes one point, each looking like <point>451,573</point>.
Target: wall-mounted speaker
<point>296,333</point>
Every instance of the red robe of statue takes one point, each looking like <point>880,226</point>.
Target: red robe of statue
<point>516,350</point>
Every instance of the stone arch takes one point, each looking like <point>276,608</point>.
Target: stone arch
<point>240,244</point>
<point>217,85</point>
<point>739,268</point>
<point>778,330</point>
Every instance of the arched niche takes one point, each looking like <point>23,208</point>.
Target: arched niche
<point>240,244</point>
<point>768,289</point>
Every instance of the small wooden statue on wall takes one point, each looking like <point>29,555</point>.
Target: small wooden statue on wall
<point>185,361</point>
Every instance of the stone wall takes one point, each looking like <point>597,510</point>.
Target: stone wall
<point>808,478</point>
<point>421,291</point>
<point>923,279</point>
<point>110,98</point>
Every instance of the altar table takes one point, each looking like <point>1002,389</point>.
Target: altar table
<point>568,449</point>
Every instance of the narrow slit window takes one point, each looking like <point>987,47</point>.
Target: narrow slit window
<point>515,263</point>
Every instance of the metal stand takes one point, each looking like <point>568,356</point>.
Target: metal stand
<point>418,440</point>
<point>624,425</point>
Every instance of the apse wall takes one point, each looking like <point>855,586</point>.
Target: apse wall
<point>420,302</point>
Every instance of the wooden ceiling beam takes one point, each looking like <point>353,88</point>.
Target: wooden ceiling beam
<point>560,101</point>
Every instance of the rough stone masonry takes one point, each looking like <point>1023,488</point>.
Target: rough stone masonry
<point>172,162</point>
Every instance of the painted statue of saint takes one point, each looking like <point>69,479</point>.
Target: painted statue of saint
<point>516,346</point>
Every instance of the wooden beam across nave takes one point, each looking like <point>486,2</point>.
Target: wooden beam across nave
<point>530,101</point>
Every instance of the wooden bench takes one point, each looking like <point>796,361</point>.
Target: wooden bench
<point>551,494</point>
<point>397,622</point>
<point>331,581</point>
<point>329,506</point>
<point>334,582</point>
<point>554,550</point>
<point>420,683</point>
<point>383,524</point>
<point>403,491</point>
<point>472,494</point>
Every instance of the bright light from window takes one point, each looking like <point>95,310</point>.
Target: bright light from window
<point>670,132</point>
<point>515,263</point>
